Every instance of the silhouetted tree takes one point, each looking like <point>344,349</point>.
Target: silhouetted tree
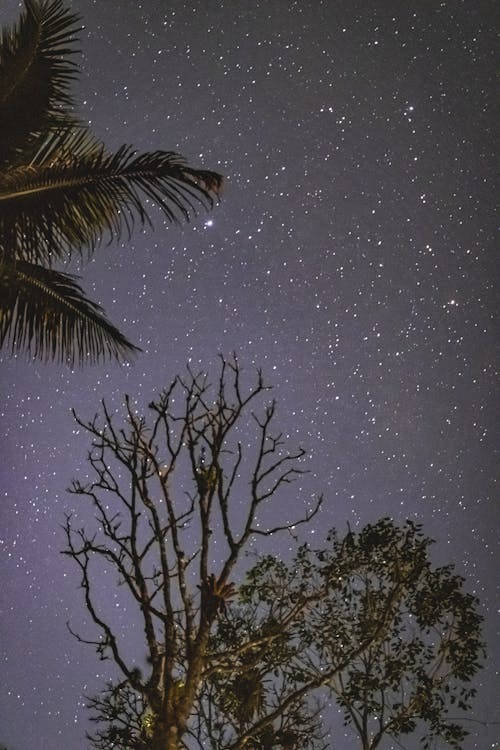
<point>178,500</point>
<point>61,192</point>
<point>248,664</point>
<point>411,634</point>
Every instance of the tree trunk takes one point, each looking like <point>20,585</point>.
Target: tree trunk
<point>165,738</point>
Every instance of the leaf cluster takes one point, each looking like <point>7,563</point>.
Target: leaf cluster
<point>367,620</point>
<point>62,192</point>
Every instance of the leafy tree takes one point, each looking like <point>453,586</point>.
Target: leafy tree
<point>178,499</point>
<point>61,192</point>
<point>411,633</point>
<point>429,637</point>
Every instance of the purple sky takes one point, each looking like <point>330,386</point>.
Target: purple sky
<point>352,258</point>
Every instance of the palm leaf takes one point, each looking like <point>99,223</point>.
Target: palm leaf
<point>35,75</point>
<point>45,313</point>
<point>74,192</point>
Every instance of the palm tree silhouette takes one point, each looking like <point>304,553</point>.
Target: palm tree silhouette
<point>61,193</point>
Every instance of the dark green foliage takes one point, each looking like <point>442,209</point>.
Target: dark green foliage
<point>37,301</point>
<point>248,664</point>
<point>74,192</point>
<point>395,639</point>
<point>415,631</point>
<point>61,192</point>
<point>35,75</point>
<point>368,621</point>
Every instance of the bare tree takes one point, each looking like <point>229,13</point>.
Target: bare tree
<point>178,500</point>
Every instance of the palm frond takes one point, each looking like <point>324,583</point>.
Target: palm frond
<point>74,192</point>
<point>45,313</point>
<point>35,75</point>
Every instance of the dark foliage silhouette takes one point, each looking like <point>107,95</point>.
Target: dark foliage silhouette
<point>61,193</point>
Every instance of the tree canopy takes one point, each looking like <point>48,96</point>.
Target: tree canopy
<point>62,193</point>
<point>245,656</point>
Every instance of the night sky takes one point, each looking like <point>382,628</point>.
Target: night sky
<point>352,258</point>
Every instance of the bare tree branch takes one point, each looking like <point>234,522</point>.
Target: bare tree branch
<point>164,484</point>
